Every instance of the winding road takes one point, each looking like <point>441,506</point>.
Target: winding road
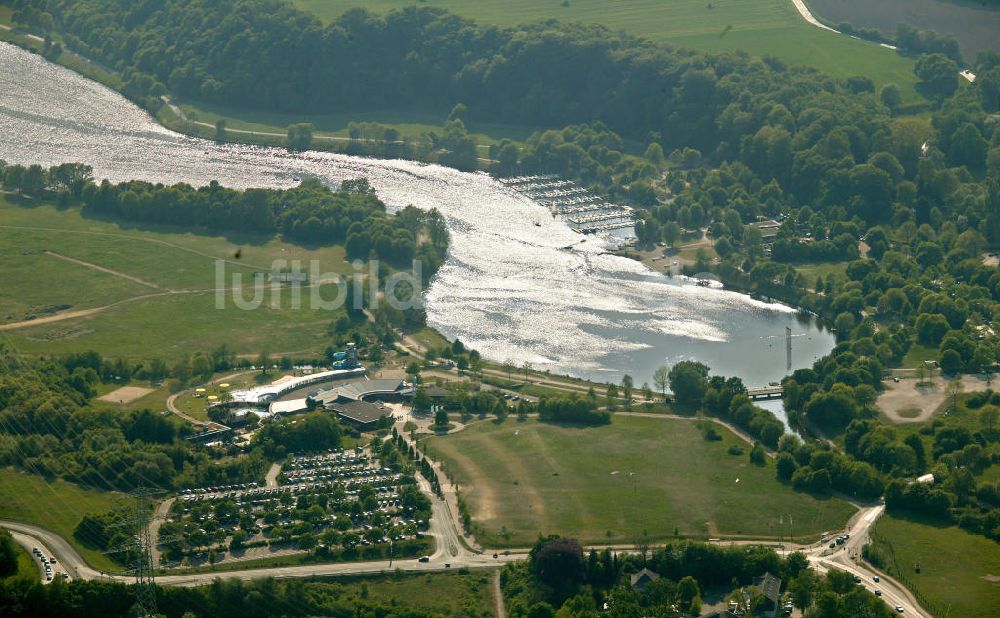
<point>453,551</point>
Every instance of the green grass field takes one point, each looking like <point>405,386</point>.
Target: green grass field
<point>759,27</point>
<point>821,269</point>
<point>27,568</point>
<point>917,354</point>
<point>56,505</point>
<point>462,593</point>
<point>164,279</point>
<point>609,484</point>
<point>959,570</point>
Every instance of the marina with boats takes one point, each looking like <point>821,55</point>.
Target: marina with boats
<point>581,209</point>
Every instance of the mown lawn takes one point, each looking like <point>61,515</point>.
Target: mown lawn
<point>612,483</point>
<point>760,27</point>
<point>958,570</point>
<point>821,269</point>
<point>917,354</point>
<point>56,505</point>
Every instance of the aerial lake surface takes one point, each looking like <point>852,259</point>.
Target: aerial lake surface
<point>517,285</point>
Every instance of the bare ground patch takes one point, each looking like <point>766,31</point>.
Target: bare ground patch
<point>126,394</point>
<point>913,401</point>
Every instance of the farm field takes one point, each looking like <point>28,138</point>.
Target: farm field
<point>56,505</point>
<point>611,483</point>
<point>162,279</point>
<point>759,27</point>
<point>958,569</point>
<point>972,23</point>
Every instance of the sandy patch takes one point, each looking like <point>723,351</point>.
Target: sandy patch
<point>126,394</point>
<point>908,401</point>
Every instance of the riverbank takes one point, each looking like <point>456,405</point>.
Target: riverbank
<point>332,132</point>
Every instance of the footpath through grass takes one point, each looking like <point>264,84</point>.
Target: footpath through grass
<point>166,277</point>
<point>56,505</point>
<point>616,483</point>
<point>959,571</point>
<point>759,27</point>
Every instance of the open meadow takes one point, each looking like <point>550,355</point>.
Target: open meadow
<point>74,283</point>
<point>759,27</point>
<point>612,483</point>
<point>56,505</point>
<point>959,571</point>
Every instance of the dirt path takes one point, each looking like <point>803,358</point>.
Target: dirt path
<point>159,516</point>
<point>499,607</point>
<point>79,313</point>
<point>176,109</point>
<point>116,273</point>
<point>271,478</point>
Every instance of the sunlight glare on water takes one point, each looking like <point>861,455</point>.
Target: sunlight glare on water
<point>509,288</point>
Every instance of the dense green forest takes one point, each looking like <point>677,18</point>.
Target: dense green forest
<point>549,74</point>
<point>560,577</point>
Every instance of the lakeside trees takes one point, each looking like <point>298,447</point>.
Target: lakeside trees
<point>310,212</point>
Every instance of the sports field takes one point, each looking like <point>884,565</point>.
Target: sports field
<point>56,505</point>
<point>759,27</point>
<point>959,571</point>
<point>87,284</point>
<point>609,484</point>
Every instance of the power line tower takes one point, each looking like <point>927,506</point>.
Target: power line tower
<point>788,347</point>
<point>138,550</point>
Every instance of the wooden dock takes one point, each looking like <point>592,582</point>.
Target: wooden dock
<point>766,392</point>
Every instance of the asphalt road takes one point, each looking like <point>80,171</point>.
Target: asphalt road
<point>452,552</point>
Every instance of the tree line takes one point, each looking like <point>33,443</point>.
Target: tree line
<point>311,212</point>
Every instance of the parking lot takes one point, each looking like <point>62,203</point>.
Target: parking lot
<point>341,500</point>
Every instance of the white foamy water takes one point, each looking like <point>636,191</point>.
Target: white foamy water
<point>509,288</point>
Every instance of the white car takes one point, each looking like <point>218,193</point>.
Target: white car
<point>899,609</point>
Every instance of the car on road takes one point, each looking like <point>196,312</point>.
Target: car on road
<point>424,559</point>
<point>899,609</point>
<point>878,592</point>
<point>875,579</point>
<point>447,565</point>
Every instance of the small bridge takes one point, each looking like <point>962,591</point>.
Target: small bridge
<point>766,392</point>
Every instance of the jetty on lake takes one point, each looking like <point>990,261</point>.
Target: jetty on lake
<point>580,208</point>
